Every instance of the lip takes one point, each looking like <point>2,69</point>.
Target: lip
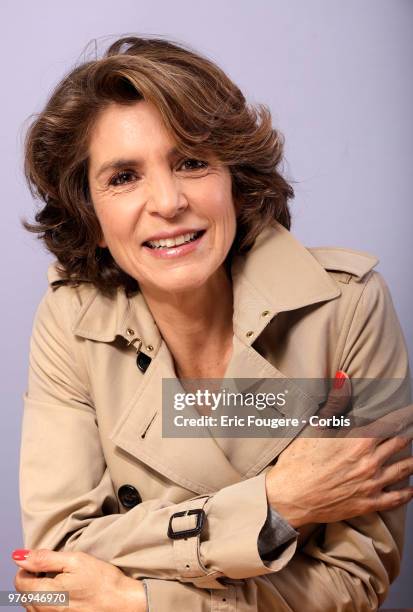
<point>178,232</point>
<point>175,251</point>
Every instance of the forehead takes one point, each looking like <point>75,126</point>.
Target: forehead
<point>130,128</point>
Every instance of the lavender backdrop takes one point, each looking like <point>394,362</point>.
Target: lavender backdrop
<point>335,75</point>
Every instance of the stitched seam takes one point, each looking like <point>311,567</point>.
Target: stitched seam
<point>341,344</point>
<point>160,467</point>
<point>280,306</point>
<point>131,403</point>
<point>62,312</point>
<point>193,550</point>
<point>83,373</point>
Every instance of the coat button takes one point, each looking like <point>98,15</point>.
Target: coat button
<point>129,496</point>
<point>143,361</point>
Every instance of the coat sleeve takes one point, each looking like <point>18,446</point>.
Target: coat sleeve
<point>346,566</point>
<point>66,493</point>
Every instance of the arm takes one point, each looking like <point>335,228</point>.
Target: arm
<point>346,566</point>
<point>67,497</point>
<point>351,563</point>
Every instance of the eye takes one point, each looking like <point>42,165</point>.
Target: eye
<point>122,178</point>
<point>194,164</point>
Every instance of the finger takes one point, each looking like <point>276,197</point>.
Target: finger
<point>337,404</point>
<point>338,400</point>
<point>27,581</point>
<point>387,448</point>
<point>393,499</point>
<point>399,470</point>
<point>45,560</point>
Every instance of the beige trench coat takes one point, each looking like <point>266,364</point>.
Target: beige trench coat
<point>92,423</point>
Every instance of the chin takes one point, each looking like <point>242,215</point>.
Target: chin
<point>180,283</point>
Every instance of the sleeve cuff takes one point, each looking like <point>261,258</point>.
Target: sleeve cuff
<point>235,518</point>
<point>172,595</point>
<point>275,533</point>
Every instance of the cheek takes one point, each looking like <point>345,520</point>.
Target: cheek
<point>228,215</point>
<point>116,219</point>
<point>221,208</point>
<point>225,225</point>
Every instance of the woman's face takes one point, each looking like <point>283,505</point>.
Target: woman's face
<point>168,221</point>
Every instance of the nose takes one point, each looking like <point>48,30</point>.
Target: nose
<point>166,198</point>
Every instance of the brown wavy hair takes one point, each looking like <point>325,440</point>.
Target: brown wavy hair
<point>203,110</point>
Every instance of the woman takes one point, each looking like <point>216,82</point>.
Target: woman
<point>165,209</point>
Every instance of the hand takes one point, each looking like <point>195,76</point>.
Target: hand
<point>323,480</point>
<point>93,585</point>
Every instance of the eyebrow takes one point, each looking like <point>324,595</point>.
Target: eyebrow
<point>118,163</point>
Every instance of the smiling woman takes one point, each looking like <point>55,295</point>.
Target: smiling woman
<point>164,205</point>
<point>139,201</point>
<point>200,124</point>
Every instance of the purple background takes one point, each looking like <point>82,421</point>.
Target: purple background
<point>336,76</point>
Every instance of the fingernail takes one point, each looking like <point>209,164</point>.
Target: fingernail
<point>20,554</point>
<point>339,379</point>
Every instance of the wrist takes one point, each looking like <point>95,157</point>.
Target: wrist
<point>277,491</point>
<point>133,595</point>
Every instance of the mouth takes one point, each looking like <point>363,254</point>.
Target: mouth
<point>175,247</point>
<point>175,241</point>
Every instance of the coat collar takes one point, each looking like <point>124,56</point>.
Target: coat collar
<point>276,275</point>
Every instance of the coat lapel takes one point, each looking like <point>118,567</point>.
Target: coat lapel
<point>204,464</point>
<point>197,464</point>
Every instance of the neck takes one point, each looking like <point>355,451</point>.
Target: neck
<point>196,325</point>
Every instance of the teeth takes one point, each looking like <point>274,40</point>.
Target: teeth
<point>171,242</point>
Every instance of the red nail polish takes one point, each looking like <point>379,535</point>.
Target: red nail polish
<point>339,379</point>
<point>20,554</point>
